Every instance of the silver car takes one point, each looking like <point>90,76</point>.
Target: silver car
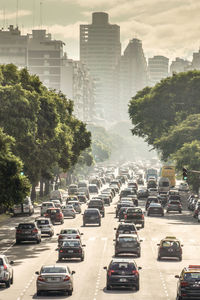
<point>45,226</point>
<point>6,271</point>
<point>68,211</point>
<point>76,205</point>
<point>55,278</point>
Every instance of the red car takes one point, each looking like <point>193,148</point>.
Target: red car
<point>55,214</point>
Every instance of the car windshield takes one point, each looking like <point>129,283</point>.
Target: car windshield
<point>167,244</point>
<point>193,276</point>
<point>42,222</point>
<point>26,226</point>
<point>68,231</point>
<point>71,244</point>
<point>122,266</point>
<point>53,270</point>
<point>127,227</point>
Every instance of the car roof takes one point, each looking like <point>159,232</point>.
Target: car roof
<point>155,205</point>
<point>170,238</point>
<point>127,260</point>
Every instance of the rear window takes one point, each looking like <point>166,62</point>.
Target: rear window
<point>42,222</point>
<point>127,239</point>
<point>134,210</point>
<point>53,270</point>
<point>193,276</point>
<point>122,266</point>
<point>26,226</point>
<point>96,202</point>
<point>175,202</point>
<point>91,212</point>
<point>167,244</point>
<point>47,205</point>
<point>68,231</point>
<point>93,189</point>
<point>71,244</point>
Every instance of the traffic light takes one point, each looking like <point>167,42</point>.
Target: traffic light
<point>185,176</point>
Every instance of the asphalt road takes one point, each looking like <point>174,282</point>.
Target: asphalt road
<point>156,277</point>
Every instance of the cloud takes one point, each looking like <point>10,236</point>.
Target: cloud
<point>12,15</point>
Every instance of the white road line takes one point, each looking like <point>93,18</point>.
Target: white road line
<point>8,248</point>
<point>92,238</point>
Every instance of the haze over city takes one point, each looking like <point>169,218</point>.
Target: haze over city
<point>169,28</point>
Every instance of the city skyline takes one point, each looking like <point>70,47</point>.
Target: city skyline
<point>164,28</point>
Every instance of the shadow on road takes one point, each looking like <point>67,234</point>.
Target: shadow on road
<point>119,291</point>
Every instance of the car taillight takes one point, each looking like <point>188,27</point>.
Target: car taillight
<point>5,267</point>
<point>40,278</point>
<point>125,216</point>
<point>60,237</point>
<point>78,237</point>
<point>110,272</point>
<point>66,278</point>
<point>61,251</point>
<point>142,216</point>
<point>80,250</point>
<point>184,283</point>
<point>18,231</point>
<point>35,230</point>
<point>135,272</point>
<point>60,215</point>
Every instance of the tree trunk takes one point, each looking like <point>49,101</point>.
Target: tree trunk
<point>33,193</point>
<point>47,186</point>
<point>41,187</point>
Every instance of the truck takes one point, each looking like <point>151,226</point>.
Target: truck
<point>169,172</point>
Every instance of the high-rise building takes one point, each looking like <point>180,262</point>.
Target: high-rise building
<point>44,58</point>
<point>179,65</point>
<point>132,74</point>
<point>158,68</point>
<point>196,60</point>
<point>100,50</point>
<point>77,85</point>
<point>13,47</point>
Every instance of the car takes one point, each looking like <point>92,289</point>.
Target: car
<point>127,244</point>
<point>24,208</point>
<point>97,203</point>
<point>121,213</point>
<point>56,195</point>
<point>169,247</point>
<point>93,189</point>
<point>142,193</point>
<point>123,204</point>
<point>134,215</point>
<point>55,278</point>
<point>128,191</point>
<point>84,190</point>
<point>82,198</point>
<point>71,248</point>
<point>153,192</point>
<point>151,199</point>
<point>163,198</point>
<point>188,286</point>
<point>46,205</point>
<point>126,228</point>
<point>69,233</point>
<point>68,211</point>
<point>56,202</point>
<point>45,226</point>
<point>28,232</point>
<point>76,205</point>
<point>92,216</point>
<point>6,270</point>
<point>155,209</point>
<point>183,187</point>
<point>73,189</point>
<point>122,272</point>
<point>106,199</point>
<point>174,205</point>
<point>72,198</point>
<point>55,214</point>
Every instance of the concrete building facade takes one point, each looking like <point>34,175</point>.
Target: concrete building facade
<point>100,50</point>
<point>179,65</point>
<point>158,68</point>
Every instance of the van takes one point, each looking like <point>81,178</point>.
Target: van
<point>97,204</point>
<point>24,208</point>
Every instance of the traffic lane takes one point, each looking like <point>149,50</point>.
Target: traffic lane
<point>87,272</point>
<point>32,257</point>
<point>7,229</point>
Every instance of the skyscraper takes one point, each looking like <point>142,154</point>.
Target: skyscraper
<point>158,68</point>
<point>133,74</point>
<point>179,65</point>
<point>100,50</point>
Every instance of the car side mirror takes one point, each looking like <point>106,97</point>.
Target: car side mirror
<point>139,268</point>
<point>182,245</point>
<point>16,227</point>
<point>81,233</point>
<point>158,244</point>
<point>105,268</point>
<point>177,276</point>
<point>11,262</point>
<point>57,233</point>
<point>141,240</point>
<point>83,245</point>
<point>56,249</point>
<point>114,240</point>
<point>73,272</point>
<point>37,273</point>
<point>115,228</point>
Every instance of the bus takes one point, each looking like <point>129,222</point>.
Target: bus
<point>169,172</point>
<point>151,173</point>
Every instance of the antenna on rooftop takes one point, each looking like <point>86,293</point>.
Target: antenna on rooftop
<point>41,14</point>
<point>17,13</point>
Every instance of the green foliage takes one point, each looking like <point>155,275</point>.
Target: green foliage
<point>14,187</point>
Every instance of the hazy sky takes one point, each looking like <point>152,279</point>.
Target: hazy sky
<point>166,27</point>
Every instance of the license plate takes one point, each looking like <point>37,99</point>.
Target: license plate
<point>27,231</point>
<point>123,280</point>
<point>127,231</point>
<point>53,279</point>
<point>70,251</point>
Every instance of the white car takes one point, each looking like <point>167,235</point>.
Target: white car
<point>183,187</point>
<point>46,205</point>
<point>24,208</point>
<point>153,191</point>
<point>6,271</point>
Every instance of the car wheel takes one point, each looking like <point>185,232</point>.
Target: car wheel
<point>180,211</point>
<point>167,211</point>
<point>159,257</point>
<point>82,258</point>
<point>11,280</point>
<point>99,223</point>
<point>180,258</point>
<point>39,293</point>
<point>7,283</point>
<point>137,287</point>
<point>70,292</point>
<point>38,241</point>
<point>198,221</point>
<point>17,241</point>
<point>83,224</point>
<point>148,214</point>
<point>59,258</point>
<point>139,254</point>
<point>142,225</point>
<point>62,222</point>
<point>116,254</point>
<point>108,287</point>
<point>178,297</point>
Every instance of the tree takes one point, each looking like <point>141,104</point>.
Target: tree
<point>14,187</point>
